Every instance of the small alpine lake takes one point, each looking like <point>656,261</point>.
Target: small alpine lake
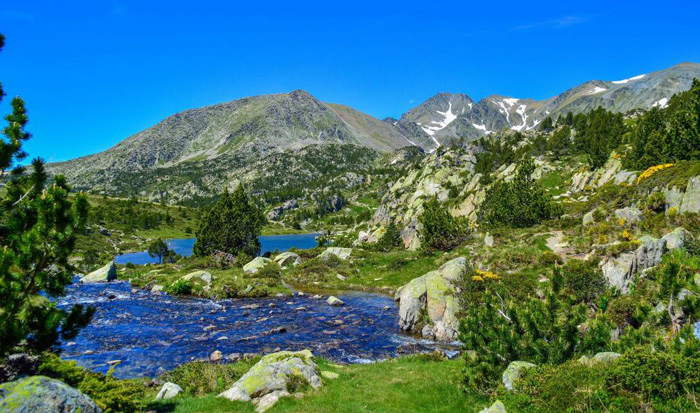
<point>184,246</point>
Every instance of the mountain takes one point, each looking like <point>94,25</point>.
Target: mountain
<point>191,156</point>
<point>446,116</point>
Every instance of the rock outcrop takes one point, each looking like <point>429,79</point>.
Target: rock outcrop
<point>611,171</point>
<point>104,274</point>
<point>604,358</point>
<point>255,265</point>
<point>620,271</point>
<point>287,259</point>
<point>685,201</point>
<point>274,376</point>
<point>201,275</point>
<point>342,253</point>
<point>39,394</point>
<point>432,295</point>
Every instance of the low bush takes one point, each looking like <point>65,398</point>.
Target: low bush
<point>110,394</point>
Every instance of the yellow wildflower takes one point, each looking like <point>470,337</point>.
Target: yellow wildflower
<point>477,278</point>
<point>651,171</point>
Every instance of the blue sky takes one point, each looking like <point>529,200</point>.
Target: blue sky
<point>94,72</point>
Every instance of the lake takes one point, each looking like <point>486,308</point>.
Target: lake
<point>183,246</point>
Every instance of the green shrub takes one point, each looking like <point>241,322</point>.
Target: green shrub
<point>180,287</point>
<point>583,279</point>
<point>390,239</point>
<point>270,270</point>
<point>441,231</point>
<point>519,203</point>
<point>201,378</point>
<point>656,375</point>
<point>110,394</point>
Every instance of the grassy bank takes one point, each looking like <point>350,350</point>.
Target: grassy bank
<point>408,384</point>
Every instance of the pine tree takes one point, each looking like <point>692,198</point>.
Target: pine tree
<point>232,225</point>
<point>391,238</point>
<point>441,230</point>
<point>38,228</point>
<point>158,248</point>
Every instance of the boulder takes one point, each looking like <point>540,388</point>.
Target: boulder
<point>342,253</point>
<point>255,265</point>
<point>588,218</point>
<point>273,377</point>
<point>202,275</point>
<point>168,391</point>
<point>335,302</point>
<point>676,239</point>
<point>513,371</point>
<point>688,201</point>
<point>287,259</point>
<point>432,294</point>
<point>17,365</point>
<point>488,240</point>
<point>631,215</point>
<point>104,274</point>
<point>603,357</point>
<point>620,271</point>
<point>156,289</point>
<point>216,356</point>
<point>496,407</point>
<point>39,394</point>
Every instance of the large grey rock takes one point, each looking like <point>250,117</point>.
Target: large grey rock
<point>201,275</point>
<point>39,394</point>
<point>688,201</point>
<point>104,274</point>
<point>513,371</point>
<point>342,253</point>
<point>631,215</point>
<point>432,295</point>
<point>255,265</point>
<point>496,407</point>
<point>676,239</point>
<point>588,218</point>
<point>287,259</point>
<point>620,271</point>
<point>168,391</point>
<point>270,378</point>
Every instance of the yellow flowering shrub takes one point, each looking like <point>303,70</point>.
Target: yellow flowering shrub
<point>672,212</point>
<point>621,221</point>
<point>477,278</point>
<point>486,274</point>
<point>626,235</point>
<point>651,171</point>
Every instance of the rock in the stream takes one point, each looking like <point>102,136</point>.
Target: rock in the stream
<point>496,407</point>
<point>334,301</point>
<point>342,253</point>
<point>287,259</point>
<point>273,377</point>
<point>255,265</point>
<point>39,394</point>
<point>513,371</point>
<point>104,274</point>
<point>433,293</point>
<point>216,356</point>
<point>168,391</point>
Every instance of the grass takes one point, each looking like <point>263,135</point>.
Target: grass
<point>407,384</point>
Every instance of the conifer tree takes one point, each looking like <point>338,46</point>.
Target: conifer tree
<point>38,228</point>
<point>232,225</point>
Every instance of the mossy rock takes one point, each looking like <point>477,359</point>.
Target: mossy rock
<point>39,394</point>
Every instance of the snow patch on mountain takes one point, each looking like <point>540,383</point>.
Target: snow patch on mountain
<point>434,126</point>
<point>521,111</point>
<point>482,128</point>
<point>661,103</point>
<point>625,81</point>
<point>597,90</point>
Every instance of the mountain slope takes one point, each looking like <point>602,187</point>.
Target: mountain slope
<point>446,116</point>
